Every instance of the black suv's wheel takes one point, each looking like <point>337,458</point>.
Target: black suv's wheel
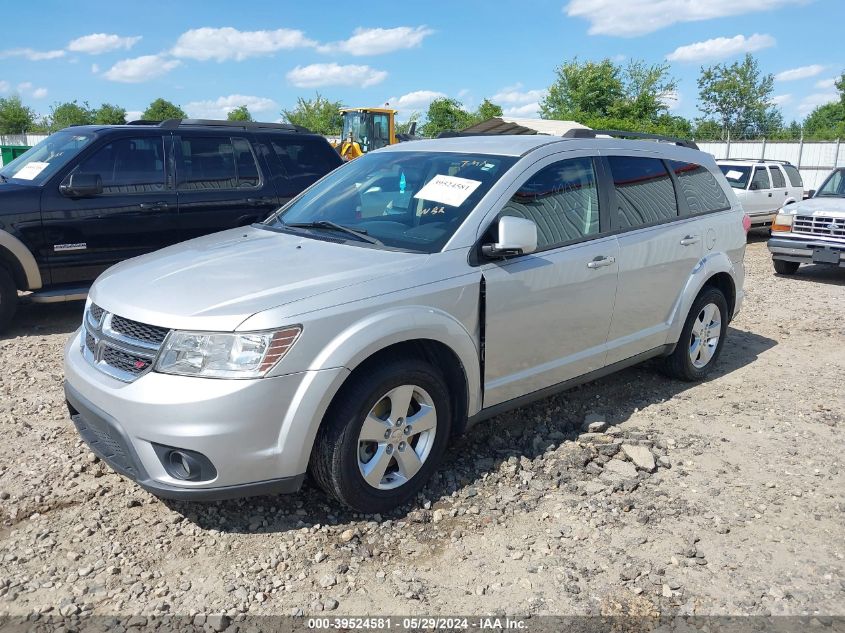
<point>701,339</point>
<point>383,436</point>
<point>8,298</point>
<point>785,268</point>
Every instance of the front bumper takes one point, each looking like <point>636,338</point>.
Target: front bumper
<point>256,433</point>
<point>801,250</point>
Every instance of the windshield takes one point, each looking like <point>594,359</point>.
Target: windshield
<point>737,175</point>
<point>40,162</point>
<point>834,186</point>
<point>407,200</point>
<point>358,124</point>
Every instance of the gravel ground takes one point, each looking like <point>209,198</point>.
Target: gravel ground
<point>724,497</point>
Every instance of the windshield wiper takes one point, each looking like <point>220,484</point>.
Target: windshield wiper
<point>3,178</point>
<point>328,224</point>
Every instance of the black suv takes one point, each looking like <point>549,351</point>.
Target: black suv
<point>88,197</point>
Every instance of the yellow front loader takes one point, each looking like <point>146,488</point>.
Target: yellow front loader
<point>366,129</point>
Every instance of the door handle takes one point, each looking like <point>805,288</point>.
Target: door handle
<point>153,206</point>
<point>689,240</point>
<point>770,194</point>
<point>601,261</point>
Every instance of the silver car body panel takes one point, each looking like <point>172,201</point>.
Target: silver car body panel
<point>549,317</point>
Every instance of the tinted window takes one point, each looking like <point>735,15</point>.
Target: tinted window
<point>128,165</point>
<point>778,181</point>
<point>644,191</point>
<point>305,158</point>
<point>245,162</point>
<point>208,163</point>
<point>760,179</point>
<point>698,186</point>
<point>794,176</point>
<point>561,199</point>
<point>737,175</point>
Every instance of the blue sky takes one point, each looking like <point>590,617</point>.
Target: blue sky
<point>211,56</point>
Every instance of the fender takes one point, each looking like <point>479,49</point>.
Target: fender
<point>21,255</point>
<point>711,264</point>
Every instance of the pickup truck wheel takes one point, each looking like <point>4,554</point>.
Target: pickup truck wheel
<point>783,267</point>
<point>8,298</point>
<point>383,436</point>
<point>701,339</point>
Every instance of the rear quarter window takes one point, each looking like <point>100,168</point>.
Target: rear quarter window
<point>794,176</point>
<point>699,188</point>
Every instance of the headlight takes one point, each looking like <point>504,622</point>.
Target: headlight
<point>783,222</point>
<point>224,355</point>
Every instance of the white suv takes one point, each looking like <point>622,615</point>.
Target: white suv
<point>763,186</point>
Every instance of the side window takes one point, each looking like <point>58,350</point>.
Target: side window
<point>778,181</point>
<point>760,179</point>
<point>128,165</point>
<point>305,160</point>
<point>794,176</point>
<point>561,199</point>
<point>208,163</point>
<point>699,187</point>
<point>248,175</point>
<point>381,131</point>
<point>644,191</point>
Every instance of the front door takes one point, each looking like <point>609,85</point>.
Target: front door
<point>135,214</point>
<point>548,312</point>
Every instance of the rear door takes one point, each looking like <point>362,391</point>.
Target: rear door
<point>759,199</point>
<point>135,214</point>
<point>219,183</point>
<point>779,186</point>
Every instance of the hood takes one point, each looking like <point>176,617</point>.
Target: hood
<point>217,281</point>
<point>819,206</point>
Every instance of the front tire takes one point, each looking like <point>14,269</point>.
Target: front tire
<point>384,435</point>
<point>8,299</point>
<point>783,267</point>
<point>702,337</point>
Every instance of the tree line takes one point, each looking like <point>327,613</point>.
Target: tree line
<point>735,100</point>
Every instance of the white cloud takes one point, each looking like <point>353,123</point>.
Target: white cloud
<point>316,75</point>
<point>95,68</point>
<point>4,86</point>
<point>826,83</point>
<point>672,101</point>
<point>133,115</point>
<point>802,72</point>
<point>220,108</point>
<point>229,43</point>
<point>97,43</point>
<point>720,47</point>
<point>781,99</point>
<point>812,101</point>
<point>39,93</point>
<point>138,69</point>
<point>31,54</point>
<point>630,18</point>
<point>514,95</point>
<point>29,89</point>
<point>379,41</point>
<point>416,100</point>
<point>528,110</point>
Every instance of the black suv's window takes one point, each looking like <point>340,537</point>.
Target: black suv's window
<point>778,181</point>
<point>561,199</point>
<point>217,162</point>
<point>128,165</point>
<point>644,191</point>
<point>794,176</point>
<point>305,160</point>
<point>699,188</point>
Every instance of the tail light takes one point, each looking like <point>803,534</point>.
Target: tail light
<point>746,222</point>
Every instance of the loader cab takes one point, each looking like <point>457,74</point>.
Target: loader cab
<point>366,129</point>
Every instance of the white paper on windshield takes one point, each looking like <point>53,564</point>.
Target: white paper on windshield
<point>30,170</point>
<point>449,190</point>
<point>733,174</point>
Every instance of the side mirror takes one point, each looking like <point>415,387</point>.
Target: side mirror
<point>517,236</point>
<point>82,185</point>
<point>811,193</point>
<point>754,186</point>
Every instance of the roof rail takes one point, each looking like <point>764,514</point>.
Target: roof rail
<point>172,124</point>
<point>759,160</point>
<point>585,133</point>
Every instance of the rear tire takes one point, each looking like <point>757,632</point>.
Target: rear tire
<point>384,435</point>
<point>701,339</point>
<point>8,299</point>
<point>783,267</point>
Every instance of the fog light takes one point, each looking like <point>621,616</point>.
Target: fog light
<point>181,463</point>
<point>183,466</point>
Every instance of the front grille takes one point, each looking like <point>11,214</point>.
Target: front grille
<point>139,331</point>
<point>120,347</point>
<point>820,226</point>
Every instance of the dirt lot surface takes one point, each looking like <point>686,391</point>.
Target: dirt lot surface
<point>744,512</point>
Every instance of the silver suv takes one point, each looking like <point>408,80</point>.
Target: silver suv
<point>410,293</point>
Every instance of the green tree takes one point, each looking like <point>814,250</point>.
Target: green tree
<point>826,122</point>
<point>161,110</point>
<point>487,110</point>
<point>241,113</point>
<point>405,127</point>
<point>648,90</point>
<point>444,115</point>
<point>15,117</point>
<point>64,115</point>
<point>840,86</point>
<point>319,115</point>
<point>738,97</point>
<point>583,89</point>
<point>108,114</point>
